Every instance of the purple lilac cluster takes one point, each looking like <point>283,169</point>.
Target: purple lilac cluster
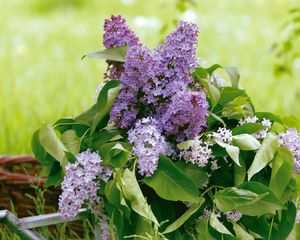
<point>148,144</point>
<point>199,153</point>
<point>187,108</point>
<point>291,140</point>
<point>105,228</point>
<point>80,185</point>
<point>233,215</point>
<point>156,84</point>
<point>265,122</point>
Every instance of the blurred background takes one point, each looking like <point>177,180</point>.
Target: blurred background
<point>42,77</point>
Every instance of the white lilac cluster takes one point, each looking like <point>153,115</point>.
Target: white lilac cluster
<point>199,152</point>
<point>148,143</point>
<point>80,184</point>
<point>206,214</point>
<point>223,135</point>
<point>291,140</point>
<point>233,215</point>
<point>265,122</point>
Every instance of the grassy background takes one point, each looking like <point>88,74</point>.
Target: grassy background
<point>41,43</point>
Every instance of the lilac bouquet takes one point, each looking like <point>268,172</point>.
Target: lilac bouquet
<point>171,150</point>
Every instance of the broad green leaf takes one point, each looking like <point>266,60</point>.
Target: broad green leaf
<point>213,92</point>
<point>216,117</point>
<point>195,173</point>
<point>234,76</point>
<point>271,116</point>
<point>216,224</point>
<point>203,231</point>
<point>241,233</point>
<point>184,217</point>
<point>291,121</point>
<point>264,155</point>
<point>56,175</point>
<point>282,171</point>
<point>238,108</point>
<point>245,142</point>
<point>234,153</point>
<point>228,94</point>
<point>170,183</point>
<point>268,204</point>
<point>39,152</point>
<point>87,116</point>
<point>257,226</point>
<point>98,139</point>
<point>248,128</point>
<point>105,101</point>
<point>71,141</point>
<point>117,54</point>
<point>240,172</point>
<point>232,198</point>
<point>52,144</point>
<point>287,221</point>
<point>134,195</point>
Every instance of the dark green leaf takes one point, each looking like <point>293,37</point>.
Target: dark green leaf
<point>170,183</point>
<point>264,155</point>
<point>56,175</point>
<point>240,172</point>
<point>116,54</point>
<point>248,128</point>
<point>287,221</point>
<point>184,217</point>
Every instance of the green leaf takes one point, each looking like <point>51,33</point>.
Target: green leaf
<point>282,171</point>
<point>98,139</point>
<point>195,173</point>
<point>216,224</point>
<point>213,92</point>
<point>248,128</point>
<point>232,198</point>
<point>184,217</point>
<point>287,221</point>
<point>185,144</point>
<point>271,116</point>
<point>245,142</point>
<point>228,94</point>
<point>170,183</point>
<point>52,144</point>
<point>203,231</point>
<point>240,172</point>
<point>241,233</point>
<point>39,152</point>
<point>56,175</point>
<point>105,101</point>
<point>216,117</point>
<point>71,141</point>
<point>234,153</point>
<point>117,54</point>
<point>238,108</point>
<point>234,76</point>
<point>264,155</point>
<point>268,204</point>
<point>134,195</point>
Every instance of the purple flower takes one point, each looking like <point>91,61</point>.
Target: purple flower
<point>185,116</point>
<point>80,185</point>
<point>233,215</point>
<point>137,72</point>
<point>223,135</point>
<point>291,140</point>
<point>104,226</point>
<point>198,152</point>
<point>117,33</point>
<point>148,144</point>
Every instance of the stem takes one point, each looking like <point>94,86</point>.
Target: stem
<point>271,227</point>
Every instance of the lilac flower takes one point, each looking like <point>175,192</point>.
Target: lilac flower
<point>80,185</point>
<point>222,135</point>
<point>233,215</point>
<point>198,153</point>
<point>185,116</point>
<point>214,165</point>
<point>176,59</point>
<point>265,122</point>
<point>291,140</point>
<point>137,72</point>
<point>205,215</point>
<point>148,144</point>
<point>117,33</point>
<point>105,229</point>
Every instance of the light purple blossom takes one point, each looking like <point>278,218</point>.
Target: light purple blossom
<point>80,185</point>
<point>185,116</point>
<point>291,140</point>
<point>205,215</point>
<point>105,229</point>
<point>265,122</point>
<point>233,215</point>
<point>223,135</point>
<point>198,153</point>
<point>214,165</point>
<point>148,144</point>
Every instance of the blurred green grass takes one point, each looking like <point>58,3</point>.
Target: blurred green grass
<point>42,77</point>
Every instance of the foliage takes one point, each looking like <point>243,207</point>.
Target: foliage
<point>245,176</point>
